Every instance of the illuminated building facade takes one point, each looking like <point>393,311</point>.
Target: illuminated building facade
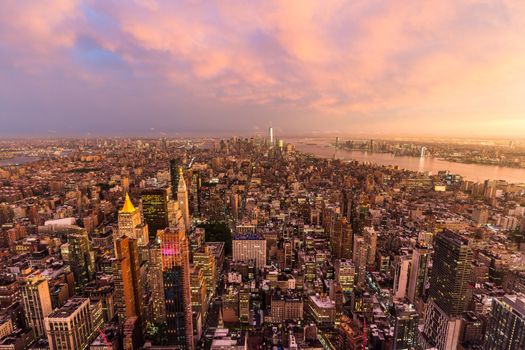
<point>80,258</point>
<point>130,222</point>
<point>72,326</point>
<point>345,274</point>
<point>174,176</point>
<point>155,209</point>
<point>341,239</point>
<point>128,284</point>
<point>156,283</point>
<point>177,292</point>
<point>182,198</point>
<point>506,325</point>
<point>322,309</point>
<point>250,246</point>
<point>205,260</point>
<point>452,265</point>
<point>405,327</point>
<point>418,272</point>
<point>37,303</point>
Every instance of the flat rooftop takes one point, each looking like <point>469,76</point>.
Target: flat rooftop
<point>247,236</point>
<point>69,308</point>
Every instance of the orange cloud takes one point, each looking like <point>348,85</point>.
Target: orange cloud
<point>332,59</point>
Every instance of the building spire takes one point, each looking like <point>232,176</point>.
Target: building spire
<point>182,183</point>
<point>128,206</point>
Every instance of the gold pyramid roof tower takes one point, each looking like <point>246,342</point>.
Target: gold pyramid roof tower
<point>128,206</point>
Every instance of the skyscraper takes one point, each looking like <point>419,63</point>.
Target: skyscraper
<point>270,136</point>
<point>405,328</point>
<point>130,222</point>
<point>174,177</point>
<point>182,195</point>
<point>198,291</point>
<point>346,204</point>
<point>418,272</point>
<point>359,258</point>
<point>37,303</point>
<point>156,283</point>
<point>506,325</point>
<point>345,274</point>
<point>205,260</point>
<point>370,236</point>
<point>451,268</point>
<point>71,327</point>
<point>155,209</point>
<point>128,284</point>
<point>341,239</point>
<point>80,258</point>
<point>401,271</point>
<point>195,192</point>
<point>177,292</point>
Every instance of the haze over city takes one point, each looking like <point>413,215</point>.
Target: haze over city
<point>262,175</point>
<point>146,67</point>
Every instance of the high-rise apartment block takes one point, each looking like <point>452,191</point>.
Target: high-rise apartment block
<point>71,327</point>
<point>418,272</point>
<point>37,303</point>
<point>345,274</point>
<point>451,269</point>
<point>506,324</point>
<point>250,246</point>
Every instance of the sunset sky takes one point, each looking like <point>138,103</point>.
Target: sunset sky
<point>132,67</point>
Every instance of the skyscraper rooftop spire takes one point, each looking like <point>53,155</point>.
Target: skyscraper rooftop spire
<point>128,206</point>
<point>182,183</point>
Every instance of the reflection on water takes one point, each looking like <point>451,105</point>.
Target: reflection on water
<point>473,172</point>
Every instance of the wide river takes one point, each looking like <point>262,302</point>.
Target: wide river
<point>473,172</point>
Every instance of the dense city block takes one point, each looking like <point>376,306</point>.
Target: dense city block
<point>247,243</point>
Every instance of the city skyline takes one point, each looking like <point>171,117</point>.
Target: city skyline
<point>443,68</point>
<point>261,175</point>
<point>252,243</point>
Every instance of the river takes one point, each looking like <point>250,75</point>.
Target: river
<point>473,172</point>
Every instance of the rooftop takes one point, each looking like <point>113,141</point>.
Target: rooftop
<point>323,302</point>
<point>69,308</point>
<point>517,302</point>
<point>247,236</point>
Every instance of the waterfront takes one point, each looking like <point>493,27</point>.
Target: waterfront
<point>473,172</point>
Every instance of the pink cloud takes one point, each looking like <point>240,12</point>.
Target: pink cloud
<point>333,59</point>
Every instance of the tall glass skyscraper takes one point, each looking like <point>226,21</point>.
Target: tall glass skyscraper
<point>80,258</point>
<point>155,209</point>
<point>451,269</point>
<point>177,289</point>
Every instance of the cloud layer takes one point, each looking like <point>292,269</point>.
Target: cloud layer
<point>370,66</point>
